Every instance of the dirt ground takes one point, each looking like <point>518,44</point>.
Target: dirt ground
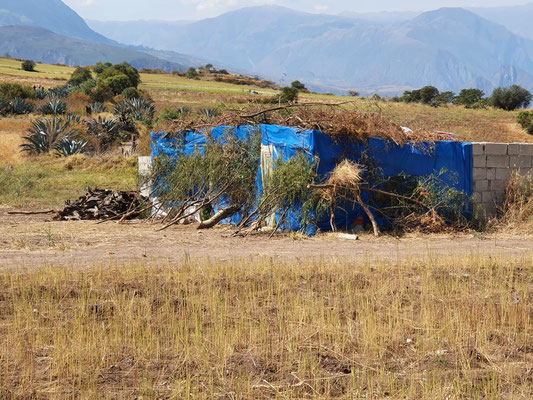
<point>32,240</point>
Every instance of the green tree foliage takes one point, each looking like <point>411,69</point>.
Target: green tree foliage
<point>10,91</point>
<point>426,95</point>
<point>511,98</point>
<point>298,85</point>
<point>117,83</point>
<point>80,75</point>
<point>525,120</point>
<point>131,93</point>
<point>469,97</point>
<point>191,73</point>
<point>445,98</point>
<point>113,80</point>
<point>28,65</point>
<point>288,95</point>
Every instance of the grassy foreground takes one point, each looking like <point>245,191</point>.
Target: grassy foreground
<point>444,328</point>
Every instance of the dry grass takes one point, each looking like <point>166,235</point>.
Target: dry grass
<point>517,210</point>
<point>431,329</point>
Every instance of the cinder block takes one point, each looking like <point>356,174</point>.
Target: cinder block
<point>480,173</point>
<point>521,161</point>
<point>496,149</point>
<point>498,185</point>
<point>503,173</point>
<point>497,161</point>
<point>491,174</point>
<point>526,149</point>
<point>478,149</point>
<point>498,197</point>
<point>489,209</point>
<point>486,197</point>
<point>481,186</point>
<point>480,161</point>
<point>513,149</point>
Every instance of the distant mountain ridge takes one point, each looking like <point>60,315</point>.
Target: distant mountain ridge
<point>42,45</point>
<point>53,15</point>
<point>451,48</point>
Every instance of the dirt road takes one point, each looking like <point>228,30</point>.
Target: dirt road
<point>36,240</point>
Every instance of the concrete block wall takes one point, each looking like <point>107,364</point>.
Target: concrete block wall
<point>493,164</point>
<point>145,169</point>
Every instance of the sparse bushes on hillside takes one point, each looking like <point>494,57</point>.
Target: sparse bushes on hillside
<point>511,98</point>
<point>28,65</point>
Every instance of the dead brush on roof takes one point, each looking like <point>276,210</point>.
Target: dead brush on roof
<point>339,123</point>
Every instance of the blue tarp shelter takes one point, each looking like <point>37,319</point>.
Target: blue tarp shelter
<point>422,159</point>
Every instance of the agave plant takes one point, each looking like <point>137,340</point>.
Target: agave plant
<point>60,92</point>
<point>68,147</point>
<point>55,107</point>
<point>41,93</point>
<point>97,107</point>
<point>209,112</point>
<point>21,106</point>
<point>106,130</point>
<point>45,133</point>
<point>73,118</point>
<point>139,109</point>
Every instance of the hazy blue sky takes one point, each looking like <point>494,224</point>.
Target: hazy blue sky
<point>196,9</point>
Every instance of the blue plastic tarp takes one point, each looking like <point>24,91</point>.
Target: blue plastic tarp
<point>422,159</point>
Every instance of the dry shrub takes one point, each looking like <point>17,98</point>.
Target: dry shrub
<point>81,162</point>
<point>76,102</point>
<point>335,121</point>
<point>517,210</point>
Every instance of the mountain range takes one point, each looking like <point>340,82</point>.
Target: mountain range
<point>452,48</point>
<point>385,53</point>
<point>49,31</point>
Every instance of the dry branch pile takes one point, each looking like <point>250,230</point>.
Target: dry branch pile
<point>334,120</point>
<point>99,204</point>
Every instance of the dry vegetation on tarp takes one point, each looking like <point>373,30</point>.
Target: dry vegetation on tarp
<point>334,120</point>
<point>430,328</point>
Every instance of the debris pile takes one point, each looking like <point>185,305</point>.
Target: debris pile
<point>102,204</point>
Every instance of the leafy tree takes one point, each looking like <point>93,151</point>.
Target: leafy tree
<point>192,73</point>
<point>80,75</point>
<point>131,93</point>
<point>28,65</point>
<point>353,93</point>
<point>298,85</point>
<point>288,95</point>
<point>209,66</point>
<point>445,98</point>
<point>101,67</point>
<point>428,94</point>
<point>511,98</point>
<point>102,93</point>
<point>469,97</point>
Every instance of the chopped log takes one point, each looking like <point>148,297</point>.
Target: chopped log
<point>219,216</point>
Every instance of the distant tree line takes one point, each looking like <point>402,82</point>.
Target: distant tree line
<point>510,98</point>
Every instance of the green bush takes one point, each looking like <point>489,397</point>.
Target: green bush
<point>80,75</point>
<point>525,120</point>
<point>131,93</point>
<point>191,73</point>
<point>170,114</point>
<point>122,69</point>
<point>10,91</point>
<point>117,83</point>
<point>298,85</point>
<point>288,95</point>
<point>102,93</point>
<point>511,98</point>
<point>28,65</point>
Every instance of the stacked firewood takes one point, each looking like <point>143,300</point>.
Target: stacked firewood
<point>99,204</point>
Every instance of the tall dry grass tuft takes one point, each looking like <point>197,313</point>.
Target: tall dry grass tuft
<point>517,210</point>
<point>428,328</point>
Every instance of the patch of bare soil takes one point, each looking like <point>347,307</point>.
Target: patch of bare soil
<point>36,240</point>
